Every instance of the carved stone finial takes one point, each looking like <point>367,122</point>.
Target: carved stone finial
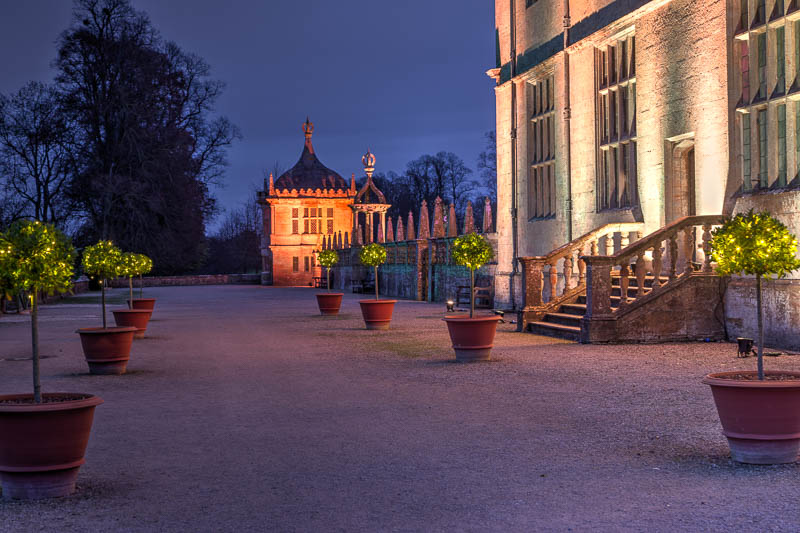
<point>380,231</point>
<point>424,224</point>
<point>389,230</point>
<point>410,227</point>
<point>347,239</point>
<point>368,160</point>
<point>308,128</point>
<point>271,185</point>
<point>452,229</point>
<point>438,219</point>
<point>487,215</point>
<point>401,235</point>
<point>469,219</point>
<point>353,183</point>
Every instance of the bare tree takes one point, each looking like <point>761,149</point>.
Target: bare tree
<point>142,109</point>
<point>487,165</point>
<point>35,154</point>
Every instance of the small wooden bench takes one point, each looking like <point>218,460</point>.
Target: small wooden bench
<point>483,296</point>
<point>362,285</point>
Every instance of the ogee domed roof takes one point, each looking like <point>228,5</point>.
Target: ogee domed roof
<point>309,172</point>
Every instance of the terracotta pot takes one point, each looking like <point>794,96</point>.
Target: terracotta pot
<point>472,338</point>
<point>142,303</point>
<point>135,318</point>
<point>761,419</point>
<point>107,350</point>
<point>42,445</point>
<point>377,313</point>
<point>329,302</point>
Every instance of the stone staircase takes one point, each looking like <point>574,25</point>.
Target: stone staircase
<point>565,323</point>
<point>576,291</point>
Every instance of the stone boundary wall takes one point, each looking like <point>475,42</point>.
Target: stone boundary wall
<point>781,312</point>
<point>205,279</point>
<point>420,269</point>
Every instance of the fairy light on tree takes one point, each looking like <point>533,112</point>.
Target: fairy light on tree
<point>373,255</point>
<point>472,251</point>
<point>36,258</point>
<point>103,261</point>
<point>328,258</point>
<point>759,245</point>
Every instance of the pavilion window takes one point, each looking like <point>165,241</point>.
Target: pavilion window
<point>306,263</point>
<point>295,264</point>
<point>616,125</point>
<point>761,11</point>
<point>295,220</point>
<point>541,149</point>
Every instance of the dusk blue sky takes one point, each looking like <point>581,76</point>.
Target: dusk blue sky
<point>402,78</point>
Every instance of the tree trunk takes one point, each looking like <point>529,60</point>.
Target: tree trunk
<point>760,328</point>
<point>328,283</point>
<point>141,286</point>
<point>376,283</point>
<point>130,290</point>
<point>471,292</point>
<point>37,388</point>
<point>103,300</point>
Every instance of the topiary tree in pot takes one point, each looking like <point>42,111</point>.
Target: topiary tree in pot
<point>43,437</point>
<point>129,266</point>
<point>757,244</point>
<point>377,313</point>
<point>107,350</point>
<point>328,302</point>
<point>472,336</point>
<point>142,265</point>
<point>472,251</point>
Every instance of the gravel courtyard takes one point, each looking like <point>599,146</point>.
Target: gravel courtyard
<point>244,410</point>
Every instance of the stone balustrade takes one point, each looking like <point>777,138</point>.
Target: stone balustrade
<point>559,276</point>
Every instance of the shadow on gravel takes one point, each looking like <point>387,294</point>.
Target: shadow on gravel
<point>128,373</point>
<point>25,358</point>
<point>674,457</point>
<point>476,364</point>
<point>86,490</point>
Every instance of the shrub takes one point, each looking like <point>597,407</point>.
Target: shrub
<point>754,244</point>
<point>472,251</point>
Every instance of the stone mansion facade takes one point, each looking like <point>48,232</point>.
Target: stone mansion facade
<point>639,113</point>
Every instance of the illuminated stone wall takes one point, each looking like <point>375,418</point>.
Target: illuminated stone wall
<point>682,97</point>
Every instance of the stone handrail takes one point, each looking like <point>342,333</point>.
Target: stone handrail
<point>648,252</point>
<point>567,256</point>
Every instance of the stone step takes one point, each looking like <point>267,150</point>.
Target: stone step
<point>573,309</point>
<point>565,319</point>
<point>559,331</point>
<point>633,282</point>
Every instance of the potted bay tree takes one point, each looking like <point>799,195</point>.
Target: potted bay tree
<point>138,318</point>
<point>377,313</point>
<point>107,349</point>
<point>328,302</point>
<point>141,265</point>
<point>43,436</point>
<point>759,410</point>
<point>472,336</point>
